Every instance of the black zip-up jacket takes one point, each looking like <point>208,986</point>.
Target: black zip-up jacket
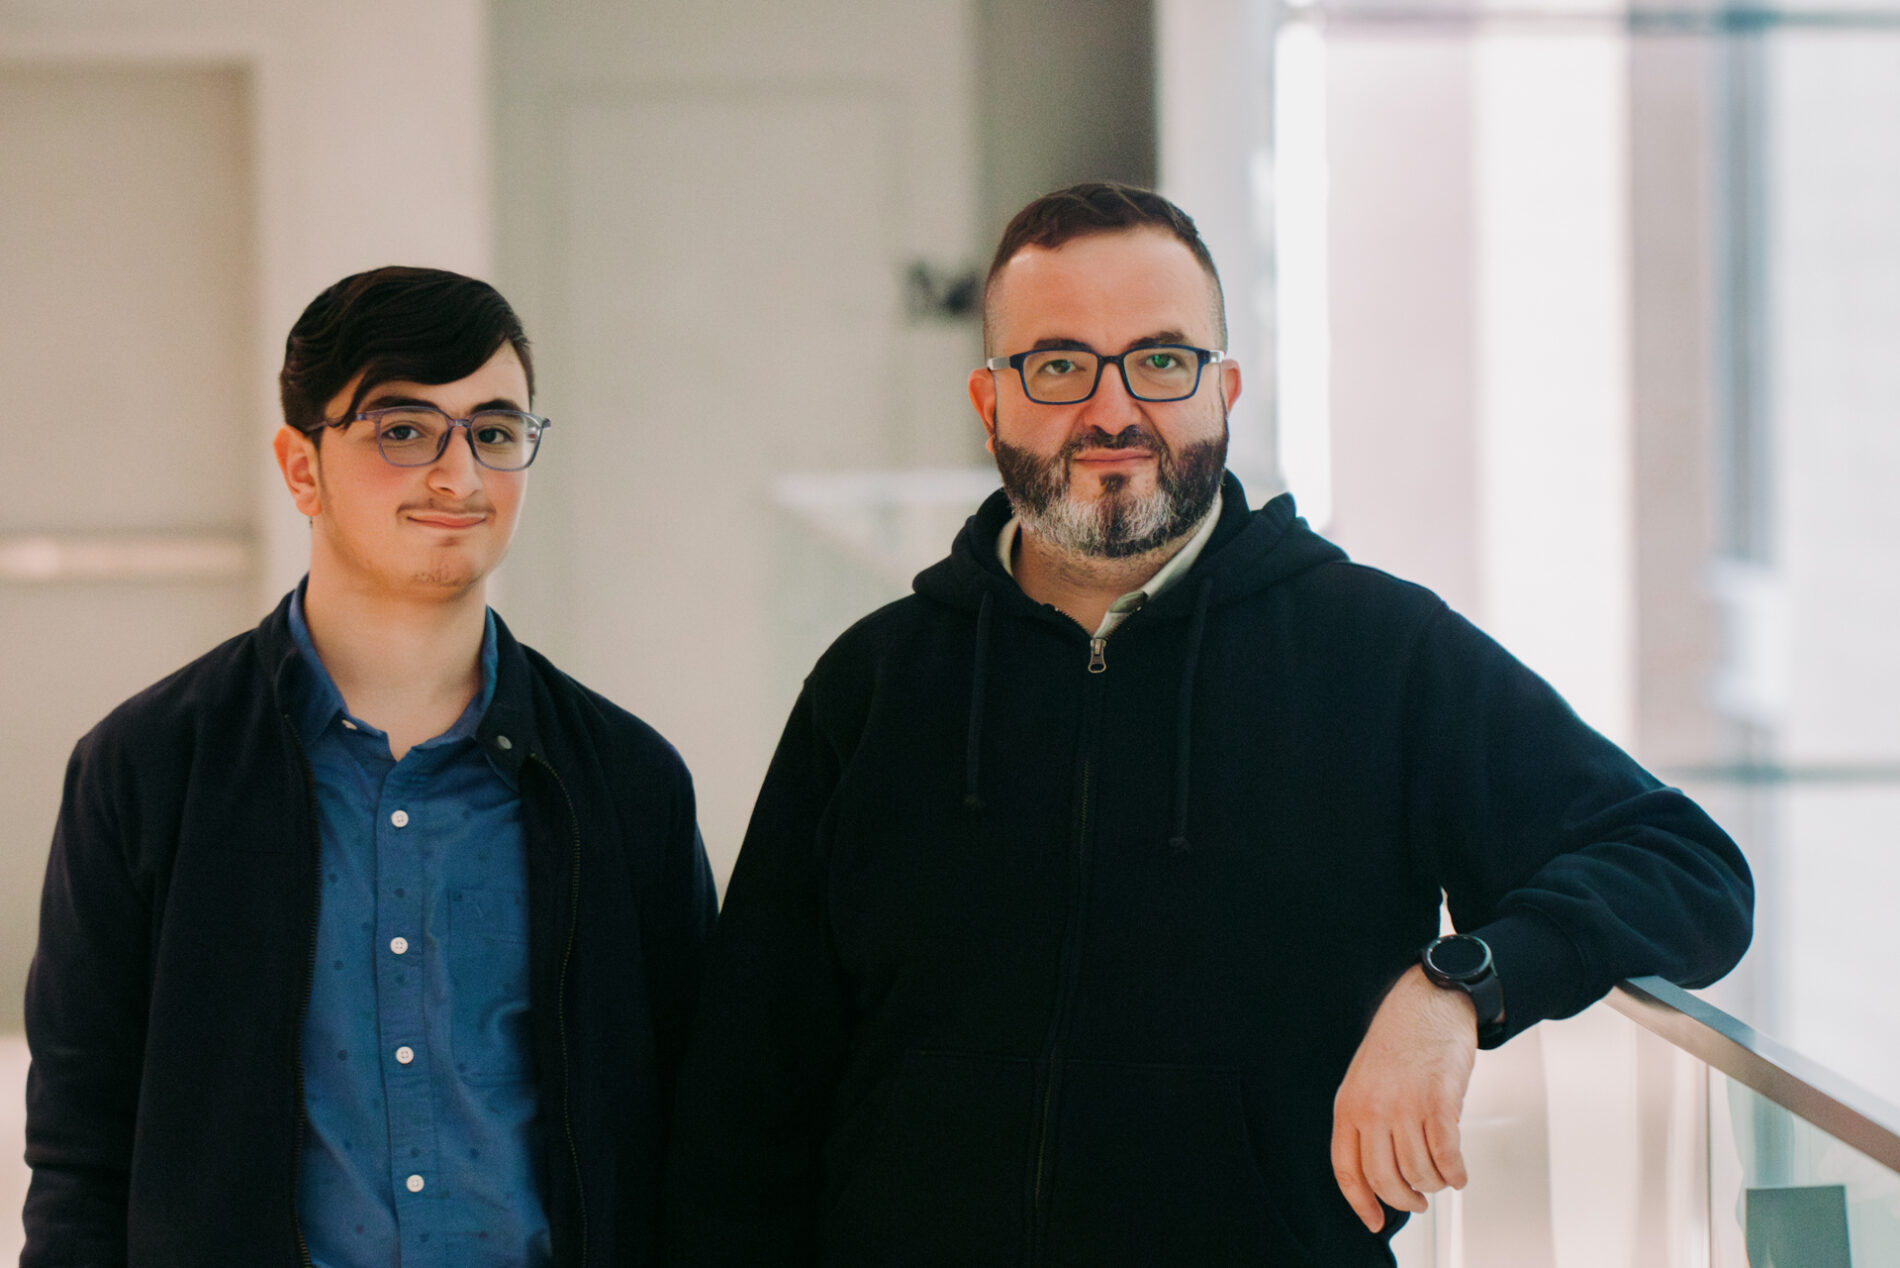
<point>1026,964</point>
<point>177,930</point>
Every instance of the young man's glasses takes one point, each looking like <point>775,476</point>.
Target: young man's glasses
<point>417,435</point>
<point>1064,376</point>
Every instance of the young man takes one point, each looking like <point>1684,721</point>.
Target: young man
<point>1088,912</point>
<point>369,937</point>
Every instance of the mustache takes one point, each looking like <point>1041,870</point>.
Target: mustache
<point>1130,437</point>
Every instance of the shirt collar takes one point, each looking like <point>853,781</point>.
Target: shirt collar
<point>319,703</point>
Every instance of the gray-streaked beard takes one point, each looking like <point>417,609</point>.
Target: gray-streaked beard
<point>1117,524</point>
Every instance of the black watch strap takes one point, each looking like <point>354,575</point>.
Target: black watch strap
<point>1462,962</point>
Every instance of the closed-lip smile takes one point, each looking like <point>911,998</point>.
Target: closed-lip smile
<point>446,519</point>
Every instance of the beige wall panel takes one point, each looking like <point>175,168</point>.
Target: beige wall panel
<point>126,340</point>
<point>126,249</point>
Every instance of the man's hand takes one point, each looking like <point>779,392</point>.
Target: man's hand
<point>1395,1120</point>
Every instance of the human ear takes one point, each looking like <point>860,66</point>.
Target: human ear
<point>1229,383</point>
<point>983,398</point>
<point>297,459</point>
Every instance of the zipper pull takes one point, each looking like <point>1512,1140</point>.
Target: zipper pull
<point>1098,663</point>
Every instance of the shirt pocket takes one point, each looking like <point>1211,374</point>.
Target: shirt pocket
<point>488,984</point>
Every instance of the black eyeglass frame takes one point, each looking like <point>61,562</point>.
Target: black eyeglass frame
<point>374,417</point>
<point>1203,357</point>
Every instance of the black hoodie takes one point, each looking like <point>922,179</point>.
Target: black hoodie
<point>1027,964</point>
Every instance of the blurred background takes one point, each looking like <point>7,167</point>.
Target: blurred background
<point>1584,315</point>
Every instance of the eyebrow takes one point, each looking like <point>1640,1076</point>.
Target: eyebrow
<point>396,401</point>
<point>1158,338</point>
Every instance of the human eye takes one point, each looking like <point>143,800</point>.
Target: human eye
<point>1162,359</point>
<point>499,432</point>
<point>1059,365</point>
<point>408,428</point>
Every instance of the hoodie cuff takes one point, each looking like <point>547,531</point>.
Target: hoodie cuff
<point>1539,968</point>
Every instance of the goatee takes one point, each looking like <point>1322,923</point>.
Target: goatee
<point>1117,523</point>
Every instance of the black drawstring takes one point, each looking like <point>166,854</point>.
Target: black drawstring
<point>972,800</point>
<point>1185,718</point>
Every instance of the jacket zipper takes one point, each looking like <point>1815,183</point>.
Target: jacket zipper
<point>309,978</point>
<point>1068,970</point>
<point>1098,658</point>
<point>560,998</point>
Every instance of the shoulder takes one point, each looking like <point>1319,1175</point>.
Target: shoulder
<point>131,777</point>
<point>915,637</point>
<point>1350,605</point>
<point>222,688</point>
<point>1347,582</point>
<point>888,631</point>
<point>570,715</point>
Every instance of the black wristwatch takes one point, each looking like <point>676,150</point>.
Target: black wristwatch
<point>1461,962</point>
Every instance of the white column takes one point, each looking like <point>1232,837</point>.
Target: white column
<point>1213,119</point>
<point>1555,479</point>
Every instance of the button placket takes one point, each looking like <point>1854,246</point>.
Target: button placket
<point>401,923</point>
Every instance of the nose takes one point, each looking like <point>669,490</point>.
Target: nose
<point>455,473</point>
<point>1112,408</point>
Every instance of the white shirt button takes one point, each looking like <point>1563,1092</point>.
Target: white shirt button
<point>405,1054</point>
<point>503,743</point>
<point>399,945</point>
<point>400,818</point>
<point>413,1184</point>
<point>348,725</point>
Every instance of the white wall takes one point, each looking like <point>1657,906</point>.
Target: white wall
<point>706,212</point>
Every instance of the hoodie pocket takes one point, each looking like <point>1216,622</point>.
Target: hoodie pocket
<point>1155,1165</point>
<point>941,1181</point>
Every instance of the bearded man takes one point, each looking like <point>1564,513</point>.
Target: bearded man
<point>1089,911</point>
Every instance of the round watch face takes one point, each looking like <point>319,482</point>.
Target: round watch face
<point>1459,957</point>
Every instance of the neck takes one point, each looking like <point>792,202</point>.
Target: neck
<point>1083,587</point>
<point>407,665</point>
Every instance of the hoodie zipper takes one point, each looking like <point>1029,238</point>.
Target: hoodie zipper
<point>309,978</point>
<point>560,997</point>
<point>1068,970</point>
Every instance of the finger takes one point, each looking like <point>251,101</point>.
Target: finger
<point>1382,1173</point>
<point>1416,1164</point>
<point>1352,1181</point>
<point>1443,1138</point>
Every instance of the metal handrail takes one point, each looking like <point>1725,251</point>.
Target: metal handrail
<point>1809,1091</point>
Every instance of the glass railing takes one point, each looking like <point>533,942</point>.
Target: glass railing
<point>1657,1130</point>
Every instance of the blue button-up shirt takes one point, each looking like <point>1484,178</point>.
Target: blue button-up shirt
<point>422,1147</point>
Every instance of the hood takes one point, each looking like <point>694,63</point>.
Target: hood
<point>1250,550</point>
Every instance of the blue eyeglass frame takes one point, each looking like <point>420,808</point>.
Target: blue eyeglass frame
<point>1204,357</point>
<point>375,418</point>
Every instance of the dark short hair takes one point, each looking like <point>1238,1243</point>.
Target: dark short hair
<point>1099,207</point>
<point>391,324</point>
